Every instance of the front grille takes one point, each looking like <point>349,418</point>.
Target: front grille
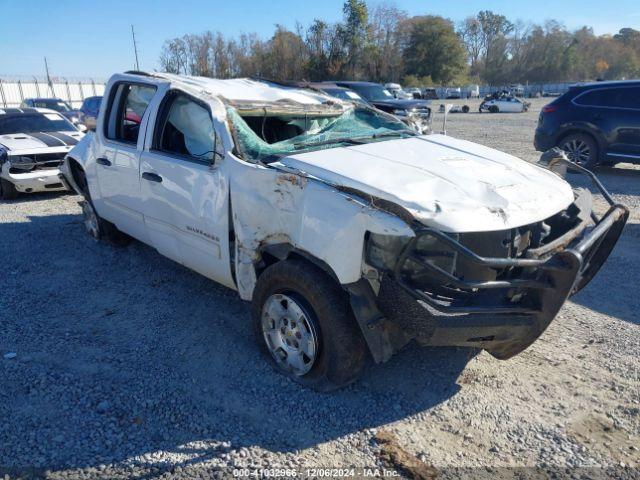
<point>36,161</point>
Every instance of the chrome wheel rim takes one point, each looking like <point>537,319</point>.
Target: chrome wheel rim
<point>90,219</point>
<point>577,151</point>
<point>289,334</point>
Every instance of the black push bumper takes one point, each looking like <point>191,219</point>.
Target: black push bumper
<point>507,314</point>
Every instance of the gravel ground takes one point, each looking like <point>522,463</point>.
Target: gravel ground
<point>128,365</point>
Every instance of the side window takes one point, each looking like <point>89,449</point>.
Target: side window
<point>592,98</point>
<point>128,104</point>
<point>623,97</point>
<point>630,97</point>
<point>186,129</point>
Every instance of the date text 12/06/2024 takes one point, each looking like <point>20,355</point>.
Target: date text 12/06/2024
<point>316,473</point>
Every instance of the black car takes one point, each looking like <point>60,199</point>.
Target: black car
<point>331,89</point>
<point>89,111</point>
<point>415,113</point>
<point>56,104</point>
<point>594,123</point>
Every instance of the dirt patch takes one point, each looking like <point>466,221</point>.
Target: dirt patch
<point>395,456</point>
<point>602,434</point>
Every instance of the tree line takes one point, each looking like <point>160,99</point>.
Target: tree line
<point>385,44</point>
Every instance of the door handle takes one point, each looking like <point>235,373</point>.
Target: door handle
<point>152,177</point>
<point>103,161</point>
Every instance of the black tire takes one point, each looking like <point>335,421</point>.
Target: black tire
<point>581,149</point>
<point>7,190</point>
<point>465,109</point>
<point>341,350</point>
<point>494,109</point>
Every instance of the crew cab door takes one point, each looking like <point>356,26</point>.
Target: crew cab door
<point>184,189</point>
<point>117,156</point>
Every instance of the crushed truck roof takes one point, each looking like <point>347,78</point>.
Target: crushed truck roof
<point>245,89</point>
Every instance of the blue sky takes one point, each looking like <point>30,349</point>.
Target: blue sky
<point>93,38</point>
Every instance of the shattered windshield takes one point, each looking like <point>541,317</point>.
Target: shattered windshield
<point>266,137</point>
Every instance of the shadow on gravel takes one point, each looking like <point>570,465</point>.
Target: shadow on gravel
<point>613,291</point>
<point>619,180</point>
<point>35,197</point>
<point>122,353</point>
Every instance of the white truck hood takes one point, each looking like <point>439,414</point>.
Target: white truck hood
<point>446,183</point>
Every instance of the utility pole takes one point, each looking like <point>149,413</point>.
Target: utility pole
<point>46,68</point>
<point>135,47</point>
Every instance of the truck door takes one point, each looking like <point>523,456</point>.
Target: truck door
<point>117,158</point>
<point>184,190</point>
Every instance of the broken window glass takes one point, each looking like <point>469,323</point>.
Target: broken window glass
<point>265,137</point>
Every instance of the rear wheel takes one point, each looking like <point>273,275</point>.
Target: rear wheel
<point>305,327</point>
<point>7,190</point>
<point>580,149</point>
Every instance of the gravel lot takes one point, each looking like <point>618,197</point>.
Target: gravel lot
<point>129,365</point>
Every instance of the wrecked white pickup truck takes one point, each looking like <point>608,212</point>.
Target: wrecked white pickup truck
<point>350,234</point>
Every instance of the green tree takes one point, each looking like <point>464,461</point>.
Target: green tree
<point>434,49</point>
<point>354,33</point>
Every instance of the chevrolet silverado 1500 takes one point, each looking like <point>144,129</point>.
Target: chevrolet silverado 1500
<point>350,233</point>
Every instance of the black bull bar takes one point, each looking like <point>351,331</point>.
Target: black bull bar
<point>505,324</point>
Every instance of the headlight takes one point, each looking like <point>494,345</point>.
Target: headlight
<point>436,252</point>
<point>21,163</point>
<point>383,251</point>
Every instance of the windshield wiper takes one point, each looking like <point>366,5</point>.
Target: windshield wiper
<point>349,140</point>
<point>356,140</point>
<point>396,133</point>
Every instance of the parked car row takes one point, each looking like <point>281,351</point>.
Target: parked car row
<point>431,93</point>
<point>84,117</point>
<point>416,113</point>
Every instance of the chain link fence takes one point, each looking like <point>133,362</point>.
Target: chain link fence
<point>13,90</point>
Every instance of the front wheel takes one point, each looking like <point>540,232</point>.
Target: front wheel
<point>494,109</point>
<point>305,327</point>
<point>99,228</point>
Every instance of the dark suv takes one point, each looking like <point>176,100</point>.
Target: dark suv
<point>594,123</point>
